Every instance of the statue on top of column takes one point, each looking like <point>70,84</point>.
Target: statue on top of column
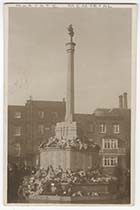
<point>70,31</point>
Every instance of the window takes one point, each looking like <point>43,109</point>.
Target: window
<point>110,161</point>
<point>116,128</point>
<point>17,149</point>
<point>102,128</point>
<point>41,129</point>
<point>110,143</point>
<point>17,131</point>
<point>41,114</point>
<point>54,116</point>
<point>37,161</point>
<point>91,128</point>
<point>17,115</point>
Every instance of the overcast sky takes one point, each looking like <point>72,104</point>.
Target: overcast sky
<point>37,62</point>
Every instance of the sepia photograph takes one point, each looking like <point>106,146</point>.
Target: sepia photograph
<point>69,103</point>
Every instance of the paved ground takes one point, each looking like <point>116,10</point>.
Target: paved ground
<point>125,200</point>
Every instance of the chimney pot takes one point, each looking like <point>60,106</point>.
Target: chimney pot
<point>125,106</point>
<point>121,102</point>
<point>63,99</point>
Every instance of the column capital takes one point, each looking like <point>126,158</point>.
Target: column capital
<point>70,46</point>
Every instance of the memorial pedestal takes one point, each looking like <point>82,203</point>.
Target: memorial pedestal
<point>66,130</point>
<point>68,158</point>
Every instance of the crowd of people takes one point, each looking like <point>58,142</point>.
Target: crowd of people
<point>58,181</point>
<point>72,143</point>
<point>16,174</point>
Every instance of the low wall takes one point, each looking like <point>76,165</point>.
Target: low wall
<point>67,158</point>
<point>99,188</point>
<point>67,199</point>
<point>49,199</point>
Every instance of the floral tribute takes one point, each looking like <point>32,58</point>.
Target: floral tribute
<point>65,143</point>
<point>60,182</point>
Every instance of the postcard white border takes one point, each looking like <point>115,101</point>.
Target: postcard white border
<point>137,151</point>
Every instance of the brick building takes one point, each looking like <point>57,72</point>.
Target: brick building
<point>112,133</point>
<point>30,125</point>
<point>17,140</point>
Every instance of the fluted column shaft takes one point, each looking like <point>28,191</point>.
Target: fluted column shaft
<point>70,82</point>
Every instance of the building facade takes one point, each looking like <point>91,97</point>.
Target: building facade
<point>29,126</point>
<point>32,124</point>
<point>112,132</point>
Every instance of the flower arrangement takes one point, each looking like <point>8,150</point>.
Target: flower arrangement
<point>59,181</point>
<point>67,143</point>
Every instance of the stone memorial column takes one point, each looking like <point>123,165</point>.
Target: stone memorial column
<point>70,77</point>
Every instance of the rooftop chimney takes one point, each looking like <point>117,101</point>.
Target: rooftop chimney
<point>120,101</point>
<point>125,100</point>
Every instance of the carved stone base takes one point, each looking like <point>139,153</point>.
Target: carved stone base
<point>68,158</point>
<point>66,130</point>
